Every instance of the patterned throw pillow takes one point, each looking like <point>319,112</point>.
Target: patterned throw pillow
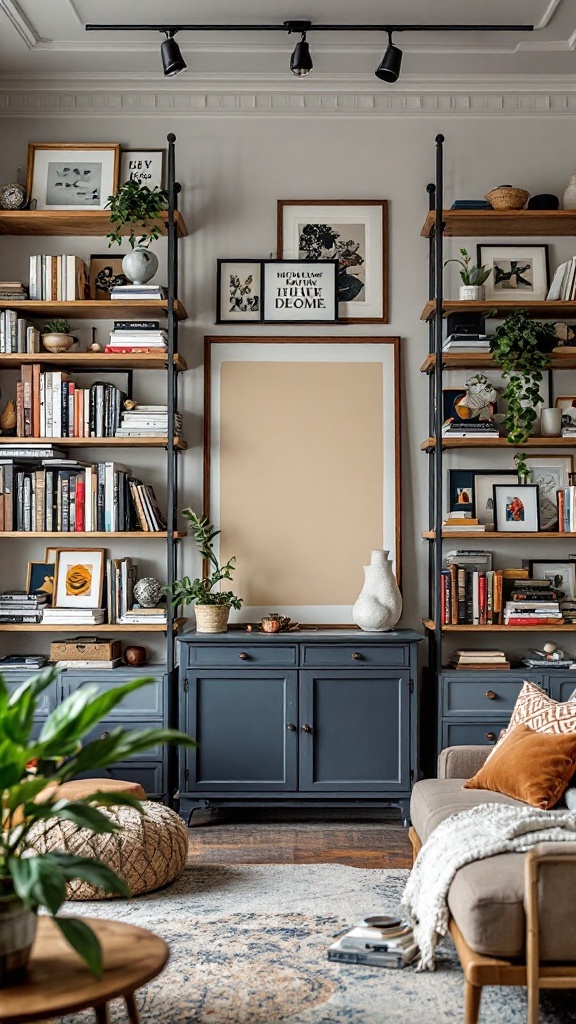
<point>539,712</point>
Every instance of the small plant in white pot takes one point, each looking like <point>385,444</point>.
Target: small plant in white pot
<point>56,336</point>
<point>473,278</point>
<point>137,208</point>
<point>212,606</point>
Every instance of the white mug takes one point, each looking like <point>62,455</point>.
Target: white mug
<point>551,422</point>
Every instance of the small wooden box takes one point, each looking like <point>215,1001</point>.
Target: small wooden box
<point>85,648</point>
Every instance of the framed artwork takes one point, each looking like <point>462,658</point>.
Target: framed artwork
<point>483,502</point>
<point>50,555</point>
<point>79,578</point>
<point>355,232</point>
<point>301,437</point>
<point>561,574</point>
<point>516,508</point>
<point>72,176</point>
<point>567,403</point>
<point>238,291</point>
<point>103,274</point>
<point>145,167</point>
<point>40,579</point>
<point>519,272</point>
<point>295,291</point>
<point>462,405</point>
<point>462,497</point>
<point>552,473</point>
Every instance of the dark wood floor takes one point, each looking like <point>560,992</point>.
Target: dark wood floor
<point>363,838</point>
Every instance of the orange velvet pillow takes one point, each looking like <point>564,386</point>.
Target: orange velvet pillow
<point>535,767</point>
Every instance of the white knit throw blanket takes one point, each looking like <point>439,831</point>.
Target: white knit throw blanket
<point>480,832</point>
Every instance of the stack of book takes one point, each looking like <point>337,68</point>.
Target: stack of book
<point>455,522</point>
<point>469,428</point>
<point>466,343</point>
<point>563,285</point>
<point>12,290</point>
<point>479,660</point>
<point>150,518</point>
<point>390,944</point>
<point>58,278</point>
<point>137,336</point>
<point>471,204</point>
<point>533,603</point>
<point>134,292</point>
<point>137,616</point>
<point>88,663</point>
<point>544,664</point>
<point>74,616</point>
<point>18,607</point>
<point>121,575</point>
<point>50,404</point>
<point>30,451</point>
<point>568,428</point>
<point>17,335</point>
<point>147,421</point>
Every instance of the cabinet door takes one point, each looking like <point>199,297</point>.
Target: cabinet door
<point>355,731</point>
<point>562,684</point>
<point>245,725</point>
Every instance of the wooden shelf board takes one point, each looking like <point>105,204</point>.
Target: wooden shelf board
<point>105,627</point>
<point>95,309</point>
<point>552,310</point>
<point>95,442</point>
<point>73,222</point>
<point>123,534</point>
<point>428,624</point>
<point>507,223</point>
<point>496,442</point>
<point>87,361</point>
<point>562,359</point>
<point>494,535</point>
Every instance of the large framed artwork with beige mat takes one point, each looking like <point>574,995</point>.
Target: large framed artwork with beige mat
<point>302,467</point>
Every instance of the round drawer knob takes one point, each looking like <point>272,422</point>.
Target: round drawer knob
<point>243,656</point>
<point>306,728</point>
<point>104,735</point>
<point>490,695</point>
<point>491,736</point>
<point>357,656</point>
<point>291,727</point>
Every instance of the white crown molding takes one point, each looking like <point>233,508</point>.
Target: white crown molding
<point>21,23</point>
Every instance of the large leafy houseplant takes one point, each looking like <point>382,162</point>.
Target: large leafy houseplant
<point>27,766</point>
<point>521,348</point>
<point>139,208</point>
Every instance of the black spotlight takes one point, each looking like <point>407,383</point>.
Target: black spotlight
<point>388,69</point>
<point>172,60</point>
<point>301,61</point>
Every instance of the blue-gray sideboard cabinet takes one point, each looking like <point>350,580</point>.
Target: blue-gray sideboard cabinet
<point>314,717</point>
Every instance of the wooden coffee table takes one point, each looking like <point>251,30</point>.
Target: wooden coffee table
<point>58,982</point>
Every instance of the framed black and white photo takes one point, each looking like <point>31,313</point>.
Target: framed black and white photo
<point>296,291</point>
<point>144,166</point>
<point>72,176</point>
<point>562,575</point>
<point>516,508</point>
<point>552,473</point>
<point>238,291</point>
<point>355,232</point>
<point>519,272</point>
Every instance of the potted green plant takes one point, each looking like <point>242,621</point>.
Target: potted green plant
<point>212,606</point>
<point>56,336</point>
<point>473,278</point>
<point>521,348</point>
<point>137,208</point>
<point>29,880</point>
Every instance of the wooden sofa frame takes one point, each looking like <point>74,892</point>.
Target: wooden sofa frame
<point>480,970</point>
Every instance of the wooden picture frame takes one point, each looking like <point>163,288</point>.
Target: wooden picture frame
<point>238,291</point>
<point>525,268</point>
<point>82,589</point>
<point>296,429</point>
<point>67,176</point>
<point>147,167</point>
<point>355,231</point>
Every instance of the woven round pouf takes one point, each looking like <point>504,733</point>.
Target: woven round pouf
<point>149,852</point>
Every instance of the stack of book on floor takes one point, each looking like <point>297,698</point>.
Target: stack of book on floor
<point>478,660</point>
<point>533,603</point>
<point>455,522</point>
<point>137,616</point>
<point>466,343</point>
<point>137,336</point>
<point>390,943</point>
<point>74,616</point>
<point>147,421</point>
<point>18,607</point>
<point>134,292</point>
<point>17,335</point>
<point>58,278</point>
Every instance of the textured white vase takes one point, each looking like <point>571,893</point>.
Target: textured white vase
<point>569,198</point>
<point>140,265</point>
<point>379,605</point>
<point>472,292</point>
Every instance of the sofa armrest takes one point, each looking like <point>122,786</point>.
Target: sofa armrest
<point>461,762</point>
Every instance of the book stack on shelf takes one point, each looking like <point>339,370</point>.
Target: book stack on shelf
<point>58,278</point>
<point>11,291</point>
<point>533,603</point>
<point>137,336</point>
<point>466,343</point>
<point>568,428</point>
<point>136,292</point>
<point>376,942</point>
<point>137,616</point>
<point>455,522</point>
<point>16,606</point>
<point>50,404</point>
<point>147,421</point>
<point>84,617</point>
<point>17,335</point>
<point>471,204</point>
<point>469,429</point>
<point>469,660</point>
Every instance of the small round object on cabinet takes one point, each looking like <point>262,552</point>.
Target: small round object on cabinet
<point>135,656</point>
<point>12,196</point>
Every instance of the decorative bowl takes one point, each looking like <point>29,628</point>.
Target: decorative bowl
<point>274,623</point>
<point>507,197</point>
<point>57,342</point>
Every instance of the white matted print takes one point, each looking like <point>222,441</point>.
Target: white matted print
<point>519,272</point>
<point>238,291</point>
<point>295,291</point>
<point>79,578</point>
<point>516,508</point>
<point>562,576</point>
<point>145,167</point>
<point>72,176</point>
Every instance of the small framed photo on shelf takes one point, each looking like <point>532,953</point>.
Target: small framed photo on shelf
<point>562,575</point>
<point>567,403</point>
<point>300,291</point>
<point>552,473</point>
<point>40,579</point>
<point>145,167</point>
<point>516,508</point>
<point>105,272</point>
<point>238,291</point>
<point>79,578</point>
<point>72,176</point>
<point>519,272</point>
<point>484,480</point>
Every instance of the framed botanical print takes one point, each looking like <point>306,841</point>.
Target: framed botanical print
<point>355,232</point>
<point>238,291</point>
<point>72,176</point>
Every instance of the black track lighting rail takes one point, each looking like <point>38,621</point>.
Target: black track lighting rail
<point>308,26</point>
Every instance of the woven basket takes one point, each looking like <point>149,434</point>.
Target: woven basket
<point>212,618</point>
<point>506,197</point>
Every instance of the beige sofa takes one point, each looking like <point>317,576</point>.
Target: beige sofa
<point>513,915</point>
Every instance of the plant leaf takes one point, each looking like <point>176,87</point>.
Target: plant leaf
<point>84,941</point>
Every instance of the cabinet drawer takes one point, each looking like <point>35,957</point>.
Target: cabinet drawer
<point>224,655</point>
<point>347,655</point>
<point>489,696</point>
<point>106,726</point>
<point>146,702</point>
<point>485,733</point>
<point>150,776</point>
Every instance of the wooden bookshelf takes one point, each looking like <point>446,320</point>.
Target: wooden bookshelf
<point>105,627</point>
<point>505,223</point>
<point>73,222</point>
<point>73,535</point>
<point>495,442</point>
<point>566,628</point>
<point>95,309</point>
<point>548,310</point>
<point>95,442</point>
<point>88,361</point>
<point>561,359</point>
<point>494,535</point>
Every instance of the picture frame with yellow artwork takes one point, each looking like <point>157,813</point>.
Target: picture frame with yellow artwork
<point>79,578</point>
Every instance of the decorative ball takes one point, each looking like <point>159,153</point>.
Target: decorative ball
<point>12,196</point>
<point>95,347</point>
<point>135,656</point>
<point>148,592</point>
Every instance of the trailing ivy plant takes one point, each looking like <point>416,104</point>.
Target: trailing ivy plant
<point>138,207</point>
<point>521,349</point>
<point>186,591</point>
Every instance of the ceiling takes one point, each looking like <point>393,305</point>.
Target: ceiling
<point>46,39</point>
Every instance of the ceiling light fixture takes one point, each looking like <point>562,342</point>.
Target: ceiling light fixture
<point>172,59</point>
<point>300,60</point>
<point>388,69</point>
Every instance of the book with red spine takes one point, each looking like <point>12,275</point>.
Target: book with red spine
<point>80,504</point>
<point>482,599</point>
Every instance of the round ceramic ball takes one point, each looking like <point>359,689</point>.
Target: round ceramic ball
<point>148,592</point>
<point>135,656</point>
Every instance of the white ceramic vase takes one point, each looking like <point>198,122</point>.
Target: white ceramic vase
<point>569,198</point>
<point>379,605</point>
<point>472,292</point>
<point>140,265</point>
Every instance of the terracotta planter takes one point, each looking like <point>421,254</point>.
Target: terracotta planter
<point>212,618</point>
<point>17,931</point>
